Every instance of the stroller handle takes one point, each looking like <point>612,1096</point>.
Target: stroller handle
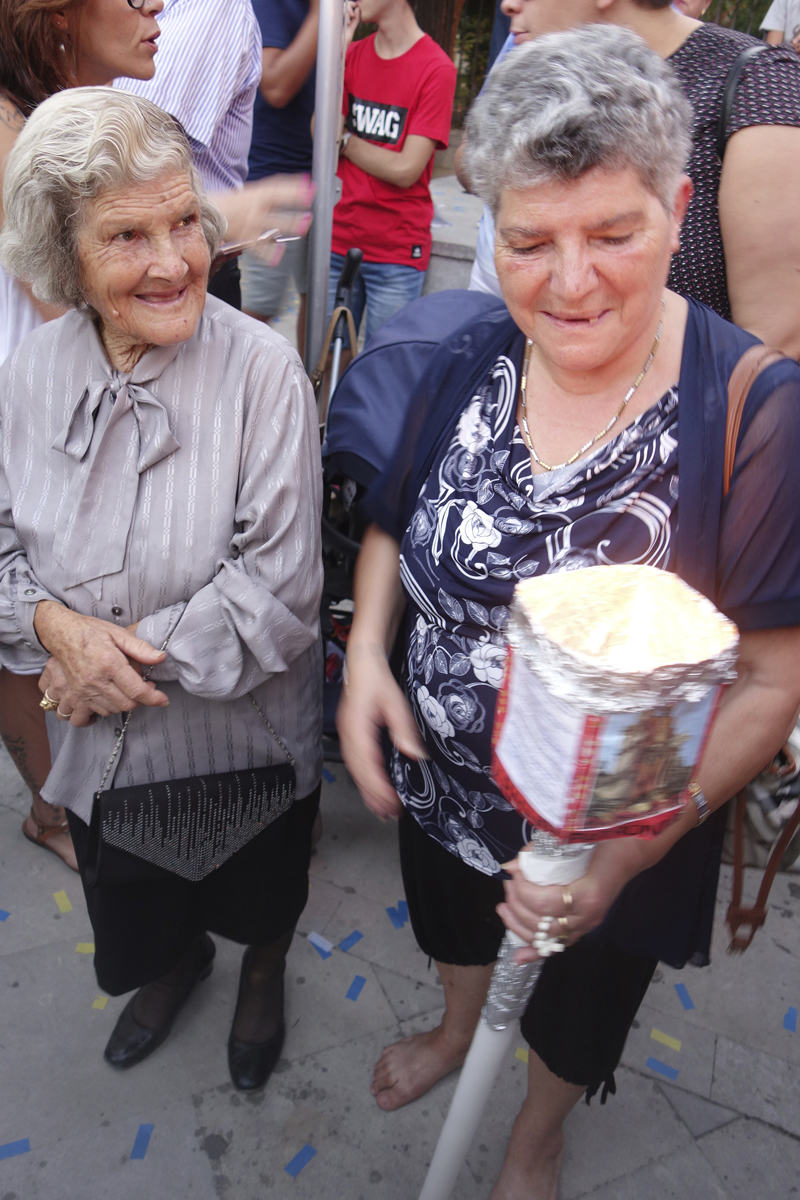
<point>352,263</point>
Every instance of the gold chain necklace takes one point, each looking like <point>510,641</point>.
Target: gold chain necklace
<point>588,445</point>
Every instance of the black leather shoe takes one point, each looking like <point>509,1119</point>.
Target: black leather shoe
<point>130,1043</point>
<point>251,1064</point>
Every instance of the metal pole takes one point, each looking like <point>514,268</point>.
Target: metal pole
<point>330,54</point>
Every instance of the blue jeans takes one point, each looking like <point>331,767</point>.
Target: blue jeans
<point>383,288</point>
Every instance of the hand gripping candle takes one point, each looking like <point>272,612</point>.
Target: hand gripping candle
<point>612,681</point>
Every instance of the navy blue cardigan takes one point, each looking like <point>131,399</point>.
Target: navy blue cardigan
<point>742,552</point>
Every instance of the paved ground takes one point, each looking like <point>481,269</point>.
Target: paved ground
<point>727,1125</point>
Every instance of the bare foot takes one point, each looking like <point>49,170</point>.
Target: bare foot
<point>54,838</point>
<point>535,1179</point>
<point>408,1069</point>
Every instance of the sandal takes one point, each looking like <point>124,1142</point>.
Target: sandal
<point>44,833</point>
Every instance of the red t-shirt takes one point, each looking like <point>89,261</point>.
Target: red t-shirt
<point>385,100</point>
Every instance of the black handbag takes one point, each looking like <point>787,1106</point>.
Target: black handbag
<point>185,827</point>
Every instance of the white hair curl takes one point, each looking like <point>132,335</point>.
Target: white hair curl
<point>76,145</point>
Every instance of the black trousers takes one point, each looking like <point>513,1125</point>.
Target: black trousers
<point>142,930</point>
<point>581,1012</point>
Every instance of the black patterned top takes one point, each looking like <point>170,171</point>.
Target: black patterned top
<point>768,94</point>
<point>482,523</point>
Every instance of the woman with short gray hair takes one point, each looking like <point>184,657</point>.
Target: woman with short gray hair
<point>547,115</point>
<point>160,558</point>
<point>552,435</point>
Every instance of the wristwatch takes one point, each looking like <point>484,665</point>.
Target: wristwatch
<point>700,802</point>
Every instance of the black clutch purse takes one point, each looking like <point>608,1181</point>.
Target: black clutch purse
<point>186,827</point>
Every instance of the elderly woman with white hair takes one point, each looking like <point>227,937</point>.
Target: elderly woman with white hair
<point>584,424</point>
<point>159,557</point>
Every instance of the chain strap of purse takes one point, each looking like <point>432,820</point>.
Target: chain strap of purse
<point>126,722</point>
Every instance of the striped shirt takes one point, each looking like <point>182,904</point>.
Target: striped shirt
<point>208,68</point>
<point>186,496</point>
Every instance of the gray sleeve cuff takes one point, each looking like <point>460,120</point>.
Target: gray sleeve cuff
<point>29,594</point>
<point>155,629</point>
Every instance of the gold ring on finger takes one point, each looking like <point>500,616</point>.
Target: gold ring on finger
<point>566,896</point>
<point>563,929</point>
<point>48,703</point>
<point>62,716</point>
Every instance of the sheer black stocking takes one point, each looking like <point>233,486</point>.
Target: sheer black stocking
<point>156,1003</point>
<point>260,1005</point>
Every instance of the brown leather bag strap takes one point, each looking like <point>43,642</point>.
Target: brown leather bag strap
<point>749,367</point>
<point>756,914</point>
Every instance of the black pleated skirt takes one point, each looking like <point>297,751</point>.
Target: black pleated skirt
<point>584,1004</point>
<point>142,930</point>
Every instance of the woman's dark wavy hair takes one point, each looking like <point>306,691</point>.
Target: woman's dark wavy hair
<point>33,60</point>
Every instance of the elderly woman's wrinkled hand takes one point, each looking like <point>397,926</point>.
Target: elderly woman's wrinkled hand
<point>613,864</point>
<point>94,669</point>
<point>372,701</point>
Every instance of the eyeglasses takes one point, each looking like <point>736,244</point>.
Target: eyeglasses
<point>136,3</point>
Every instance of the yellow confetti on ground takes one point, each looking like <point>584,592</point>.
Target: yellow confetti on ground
<point>85,948</point>
<point>522,1054</point>
<point>62,900</point>
<point>100,1002</point>
<point>665,1039</point>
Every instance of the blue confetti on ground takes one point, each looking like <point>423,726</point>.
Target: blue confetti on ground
<point>356,987</point>
<point>12,1149</point>
<point>4,915</point>
<point>328,776</point>
<point>655,1064</point>
<point>142,1141</point>
<point>683,995</point>
<point>322,951</point>
<point>402,909</point>
<point>350,941</point>
<point>395,918</point>
<point>299,1161</point>
<point>790,1020</point>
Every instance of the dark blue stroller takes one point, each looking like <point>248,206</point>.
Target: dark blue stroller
<point>365,420</point>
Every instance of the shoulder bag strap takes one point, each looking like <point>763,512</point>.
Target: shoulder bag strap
<point>749,367</point>
<point>729,95</point>
<point>754,915</point>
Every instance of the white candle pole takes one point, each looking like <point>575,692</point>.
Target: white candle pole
<point>509,992</point>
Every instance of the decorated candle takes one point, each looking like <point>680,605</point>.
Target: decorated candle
<point>612,682</point>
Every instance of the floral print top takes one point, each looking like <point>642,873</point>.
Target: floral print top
<point>483,521</point>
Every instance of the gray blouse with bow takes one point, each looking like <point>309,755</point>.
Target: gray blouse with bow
<point>186,496</point>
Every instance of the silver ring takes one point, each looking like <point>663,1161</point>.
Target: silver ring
<point>63,716</point>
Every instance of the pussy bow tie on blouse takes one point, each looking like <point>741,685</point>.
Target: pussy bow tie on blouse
<point>91,534</point>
